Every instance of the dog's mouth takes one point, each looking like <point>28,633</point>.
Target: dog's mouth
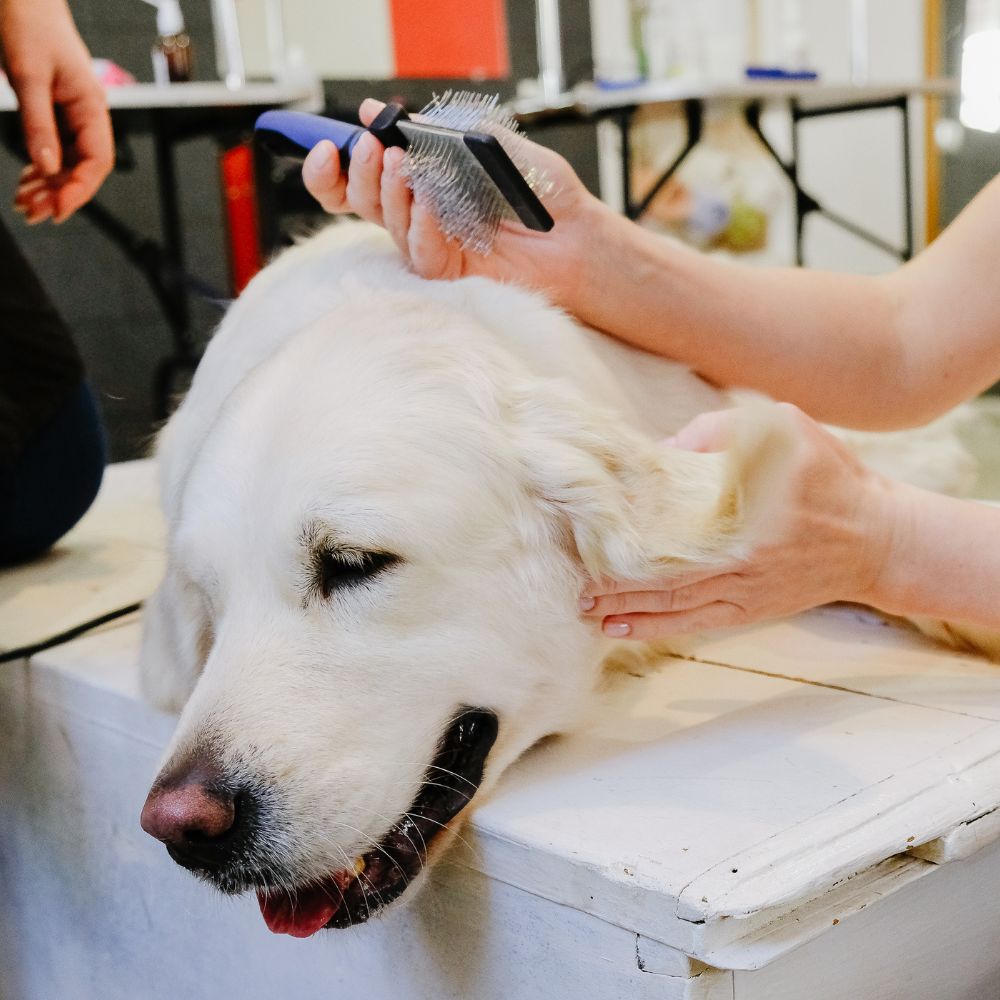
<point>380,876</point>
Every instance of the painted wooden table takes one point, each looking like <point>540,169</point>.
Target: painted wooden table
<point>801,810</point>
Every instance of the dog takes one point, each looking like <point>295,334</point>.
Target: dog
<point>384,496</point>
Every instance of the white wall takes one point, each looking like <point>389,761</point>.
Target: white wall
<point>337,39</point>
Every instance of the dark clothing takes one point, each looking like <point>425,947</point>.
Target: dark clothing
<point>52,445</point>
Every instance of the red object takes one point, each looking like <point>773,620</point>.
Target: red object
<point>450,38</point>
<point>239,196</point>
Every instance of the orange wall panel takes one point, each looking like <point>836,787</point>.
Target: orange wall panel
<point>463,38</point>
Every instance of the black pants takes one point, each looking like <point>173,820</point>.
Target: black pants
<point>52,443</point>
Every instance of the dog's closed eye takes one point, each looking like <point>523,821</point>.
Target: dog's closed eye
<point>341,568</point>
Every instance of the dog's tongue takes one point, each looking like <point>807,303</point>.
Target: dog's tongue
<point>299,913</point>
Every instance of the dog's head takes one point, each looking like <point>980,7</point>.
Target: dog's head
<point>375,561</point>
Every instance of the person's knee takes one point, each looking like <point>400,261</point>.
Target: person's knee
<point>54,481</point>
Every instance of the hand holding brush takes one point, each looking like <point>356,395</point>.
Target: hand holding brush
<point>376,188</point>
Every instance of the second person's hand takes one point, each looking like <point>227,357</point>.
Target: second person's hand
<point>50,70</point>
<point>375,189</point>
<point>832,529</point>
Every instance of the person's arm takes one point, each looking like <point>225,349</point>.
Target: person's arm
<point>841,533</point>
<point>867,352</point>
<point>64,112</point>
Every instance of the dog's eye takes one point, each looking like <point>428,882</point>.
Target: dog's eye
<point>342,568</point>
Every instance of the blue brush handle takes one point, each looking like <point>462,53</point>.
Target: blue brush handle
<point>294,133</point>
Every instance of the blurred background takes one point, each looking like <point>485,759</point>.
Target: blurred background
<point>586,76</point>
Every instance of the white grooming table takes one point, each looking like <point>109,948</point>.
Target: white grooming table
<point>801,811</point>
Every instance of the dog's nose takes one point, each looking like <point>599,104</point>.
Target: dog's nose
<point>195,816</point>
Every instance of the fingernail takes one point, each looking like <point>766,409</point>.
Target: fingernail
<point>48,162</point>
<point>322,155</point>
<point>617,630</point>
<point>587,603</point>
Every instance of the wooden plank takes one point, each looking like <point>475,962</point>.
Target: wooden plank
<point>853,649</point>
<point>690,773</point>
<point>962,841</point>
<point>112,558</point>
<point>916,804</point>
<point>932,940</point>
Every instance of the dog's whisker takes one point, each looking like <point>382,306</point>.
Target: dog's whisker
<point>406,835</point>
<point>443,826</point>
<point>428,767</point>
<point>364,896</point>
<point>378,847</point>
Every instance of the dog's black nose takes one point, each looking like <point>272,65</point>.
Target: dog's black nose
<point>195,814</point>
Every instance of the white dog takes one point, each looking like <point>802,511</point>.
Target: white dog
<point>384,496</point>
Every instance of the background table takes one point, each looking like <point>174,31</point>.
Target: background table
<point>172,114</point>
<point>804,100</point>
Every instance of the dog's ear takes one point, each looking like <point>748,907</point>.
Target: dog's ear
<point>635,509</point>
<point>176,638</point>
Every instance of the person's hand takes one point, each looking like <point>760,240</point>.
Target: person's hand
<point>832,531</point>
<point>374,188</point>
<point>64,113</point>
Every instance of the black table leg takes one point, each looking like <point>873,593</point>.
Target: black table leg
<point>908,247</point>
<point>177,306</point>
<point>805,204</point>
<point>694,117</point>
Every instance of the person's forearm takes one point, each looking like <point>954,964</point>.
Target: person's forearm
<point>768,329</point>
<point>943,559</point>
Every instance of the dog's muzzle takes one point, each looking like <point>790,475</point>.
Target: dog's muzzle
<point>381,875</point>
<point>216,827</point>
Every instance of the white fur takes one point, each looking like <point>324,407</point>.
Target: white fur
<point>500,449</point>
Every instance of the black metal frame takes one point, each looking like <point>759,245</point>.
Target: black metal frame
<point>805,203</point>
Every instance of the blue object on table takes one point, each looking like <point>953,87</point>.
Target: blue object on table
<point>776,73</point>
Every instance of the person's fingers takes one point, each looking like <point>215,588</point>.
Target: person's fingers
<point>369,110</point>
<point>40,208</point>
<point>719,614</point>
<point>364,179</point>
<point>683,598</point>
<point>324,179</point>
<point>32,204</point>
<point>685,577</point>
<point>431,253</point>
<point>78,188</point>
<point>707,432</point>
<point>34,96</point>
<point>93,151</point>
<point>396,198</point>
<point>28,188</point>
<point>35,194</point>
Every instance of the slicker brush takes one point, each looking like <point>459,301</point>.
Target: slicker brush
<point>464,160</point>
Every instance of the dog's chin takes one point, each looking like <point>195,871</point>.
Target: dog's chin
<point>380,876</point>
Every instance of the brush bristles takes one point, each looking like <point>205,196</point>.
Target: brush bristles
<point>447,178</point>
